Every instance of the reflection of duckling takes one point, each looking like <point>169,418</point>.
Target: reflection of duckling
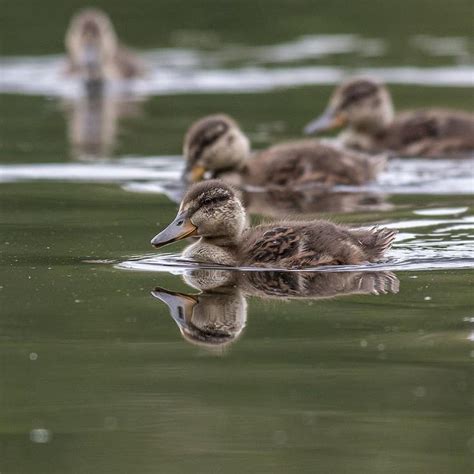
<point>218,315</point>
<point>365,106</point>
<point>95,54</point>
<point>214,318</point>
<point>93,122</point>
<point>212,211</point>
<point>217,145</point>
<point>282,202</point>
<point>211,319</point>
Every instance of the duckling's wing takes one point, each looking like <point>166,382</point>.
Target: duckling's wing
<point>431,132</point>
<point>296,245</point>
<point>266,245</point>
<point>312,162</point>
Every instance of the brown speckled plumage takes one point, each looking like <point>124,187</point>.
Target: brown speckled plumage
<point>431,133</point>
<point>213,209</point>
<point>310,161</point>
<point>308,244</point>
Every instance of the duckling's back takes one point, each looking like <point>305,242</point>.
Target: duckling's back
<point>432,133</point>
<point>302,244</point>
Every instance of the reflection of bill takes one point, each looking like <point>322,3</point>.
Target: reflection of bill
<point>217,316</point>
<point>93,122</point>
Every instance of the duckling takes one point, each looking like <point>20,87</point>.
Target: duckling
<point>366,107</point>
<point>217,146</point>
<point>94,51</point>
<point>212,211</point>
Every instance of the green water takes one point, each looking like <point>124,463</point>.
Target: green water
<point>96,377</point>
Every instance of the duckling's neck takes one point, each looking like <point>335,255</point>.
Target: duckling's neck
<point>213,250</point>
<point>366,135</point>
<point>357,139</point>
<point>371,127</point>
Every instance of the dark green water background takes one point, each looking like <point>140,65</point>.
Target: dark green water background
<point>94,366</point>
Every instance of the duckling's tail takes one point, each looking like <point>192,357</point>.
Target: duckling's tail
<point>376,241</point>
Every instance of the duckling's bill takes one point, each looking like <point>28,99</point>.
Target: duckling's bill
<point>180,228</point>
<point>197,173</point>
<point>327,121</point>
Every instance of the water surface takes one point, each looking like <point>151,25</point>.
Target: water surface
<point>342,370</point>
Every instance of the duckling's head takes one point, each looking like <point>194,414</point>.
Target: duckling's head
<point>210,209</point>
<point>91,42</point>
<point>361,103</point>
<point>214,144</point>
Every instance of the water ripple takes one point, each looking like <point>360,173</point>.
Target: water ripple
<point>158,174</point>
<point>412,251</point>
<point>179,71</point>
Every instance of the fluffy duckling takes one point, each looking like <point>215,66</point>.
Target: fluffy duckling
<point>94,51</point>
<point>212,211</point>
<point>216,146</point>
<point>365,107</point>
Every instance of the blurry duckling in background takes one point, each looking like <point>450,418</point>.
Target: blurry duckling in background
<point>212,211</point>
<point>94,52</point>
<point>216,147</point>
<point>216,316</point>
<point>365,107</point>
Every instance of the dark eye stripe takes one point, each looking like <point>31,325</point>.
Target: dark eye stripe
<point>204,136</point>
<point>206,201</point>
<point>358,91</point>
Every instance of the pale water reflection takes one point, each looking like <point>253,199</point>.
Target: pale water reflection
<point>216,317</point>
<point>93,123</point>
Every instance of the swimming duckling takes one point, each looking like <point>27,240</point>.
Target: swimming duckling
<point>94,51</point>
<point>217,146</point>
<point>365,107</point>
<point>212,211</point>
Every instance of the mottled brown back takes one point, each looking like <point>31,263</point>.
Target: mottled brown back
<point>310,161</point>
<point>430,133</point>
<point>304,244</point>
